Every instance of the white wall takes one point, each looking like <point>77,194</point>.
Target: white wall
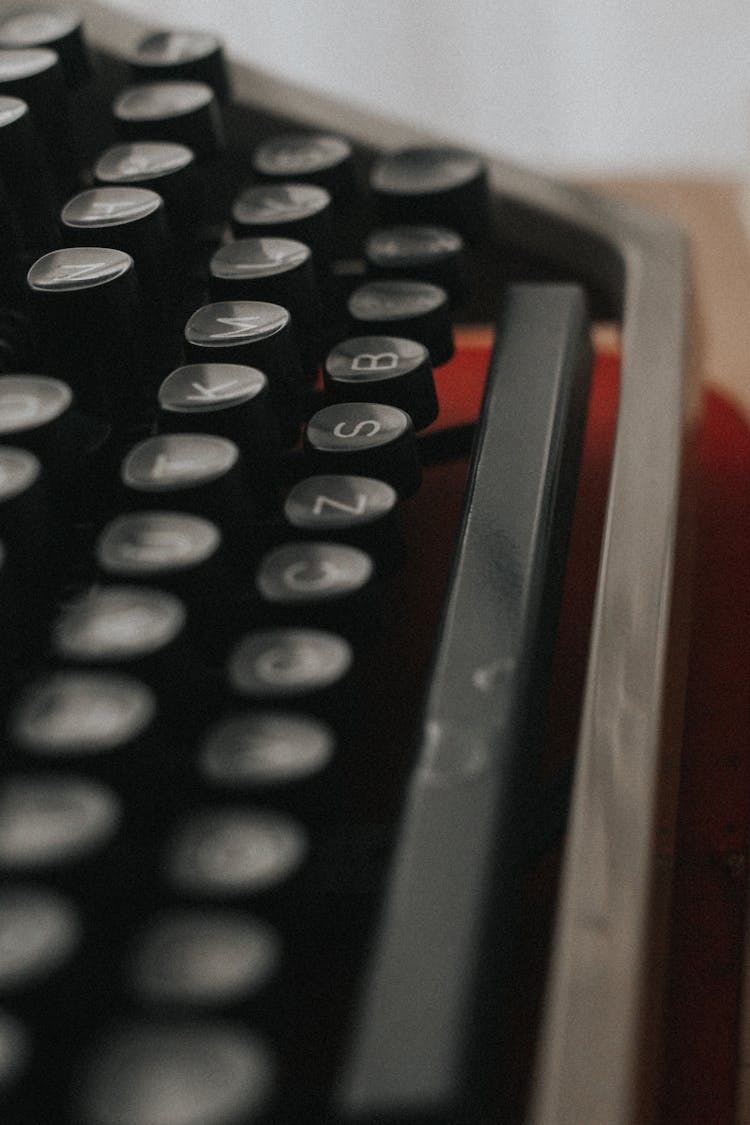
<point>561,84</point>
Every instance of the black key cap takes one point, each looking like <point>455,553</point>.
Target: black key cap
<point>186,55</point>
<point>286,210</point>
<point>98,720</point>
<point>367,439</point>
<point>192,472</point>
<point>176,1074</point>
<point>439,186</point>
<point>327,585</point>
<point>281,756</point>
<point>233,401</point>
<point>40,933</point>
<point>385,369</point>
<point>59,28</point>
<point>129,214</point>
<point>318,158</point>
<point>416,310</point>
<point>132,629</point>
<point>86,307</point>
<point>33,413</point>
<point>309,668</point>
<point>175,549</point>
<point>354,509</point>
<point>34,74</point>
<point>55,823</point>
<point>185,113</point>
<point>420,1043</point>
<point>204,959</point>
<point>241,855</point>
<point>256,334</point>
<point>164,167</point>
<point>433,254</point>
<point>278,270</point>
<point>182,553</point>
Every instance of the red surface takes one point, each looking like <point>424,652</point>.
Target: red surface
<point>705,982</point>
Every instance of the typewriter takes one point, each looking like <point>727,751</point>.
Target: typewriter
<point>341,477</point>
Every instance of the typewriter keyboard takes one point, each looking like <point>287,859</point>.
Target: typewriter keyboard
<point>260,810</point>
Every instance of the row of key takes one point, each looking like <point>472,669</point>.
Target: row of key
<point>201,472</point>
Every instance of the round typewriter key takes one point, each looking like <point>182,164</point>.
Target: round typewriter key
<point>250,259</point>
<point>161,166</point>
<point>180,552</point>
<point>358,510</point>
<point>40,932</point>
<point>31,407</point>
<point>272,269</point>
<point>258,334</point>
<point>288,663</point>
<point>56,27</point>
<point>331,584</point>
<point>204,959</point>
<point>177,1074</point>
<point>384,369</point>
<point>183,55</point>
<point>286,210</point>
<point>171,463</point>
<point>19,472</point>
<point>415,310</point>
<point>135,628</point>
<point>98,721</point>
<point>319,158</point>
<point>193,472</point>
<point>208,391</point>
<point>77,269</point>
<point>265,750</point>
<point>35,75</point>
<point>433,254</point>
<point>110,208</point>
<point>81,715</point>
<point>27,180</point>
<point>86,307</point>
<point>442,186</point>
<point>184,113</point>
<point>237,854</point>
<point>366,439</point>
<point>52,822</point>
<point>308,667</point>
<point>278,754</point>
<point>154,545</point>
<point>231,400</point>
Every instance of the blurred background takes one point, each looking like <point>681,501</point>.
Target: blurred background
<point>562,85</point>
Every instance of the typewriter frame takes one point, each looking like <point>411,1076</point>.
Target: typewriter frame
<point>596,1056</point>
